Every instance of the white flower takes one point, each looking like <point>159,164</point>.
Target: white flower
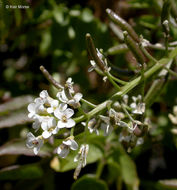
<point>69,85</point>
<point>34,142</point>
<point>64,118</point>
<point>137,106</point>
<point>74,102</point>
<point>49,126</point>
<point>71,100</point>
<point>37,123</point>
<point>44,94</point>
<point>53,105</point>
<point>106,126</point>
<point>34,109</point>
<point>64,148</point>
<point>92,126</point>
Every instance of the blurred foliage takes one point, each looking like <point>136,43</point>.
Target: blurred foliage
<point>51,34</point>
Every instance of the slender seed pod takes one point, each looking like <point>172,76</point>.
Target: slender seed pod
<point>93,53</point>
<point>134,48</point>
<point>122,24</point>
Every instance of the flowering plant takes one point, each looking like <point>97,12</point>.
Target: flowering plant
<point>122,119</point>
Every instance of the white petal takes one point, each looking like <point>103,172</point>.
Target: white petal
<point>29,141</point>
<point>62,107</point>
<point>67,142</point>
<point>51,122</point>
<point>39,101</point>
<point>63,152</point>
<point>54,103</point>
<point>44,94</point>
<point>69,112</point>
<point>44,125</point>
<point>78,96</point>
<point>55,131</point>
<point>31,107</point>
<point>76,158</point>
<point>62,97</point>
<point>35,150</point>
<point>61,124</point>
<point>36,125</point>
<point>30,136</point>
<point>70,123</point>
<point>58,113</point>
<point>83,123</point>
<point>74,145</point>
<point>46,134</point>
<point>69,80</point>
<point>50,110</point>
<point>133,105</point>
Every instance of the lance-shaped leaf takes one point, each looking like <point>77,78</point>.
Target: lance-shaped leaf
<point>17,118</point>
<point>18,147</point>
<point>15,103</point>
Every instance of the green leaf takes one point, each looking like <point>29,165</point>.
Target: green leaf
<point>114,173</point>
<point>21,172</point>
<point>89,182</point>
<point>68,163</point>
<point>127,167</point>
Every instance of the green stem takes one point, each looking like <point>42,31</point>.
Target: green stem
<point>118,80</point>
<point>171,72</point>
<point>90,114</point>
<point>82,111</point>
<point>72,131</point>
<point>88,103</point>
<point>143,81</point>
<point>126,112</point>
<point>147,54</point>
<point>111,80</point>
<point>100,168</point>
<point>111,76</point>
<point>125,89</point>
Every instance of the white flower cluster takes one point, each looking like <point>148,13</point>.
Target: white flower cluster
<point>51,115</point>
